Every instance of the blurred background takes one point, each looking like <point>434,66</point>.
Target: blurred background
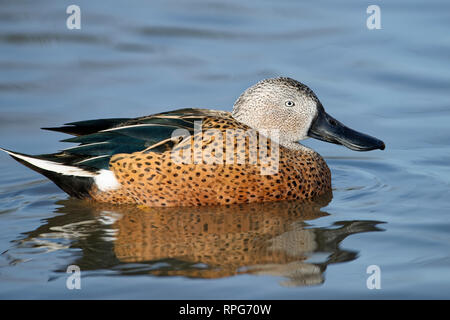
<point>136,58</point>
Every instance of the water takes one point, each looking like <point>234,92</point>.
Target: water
<point>389,208</point>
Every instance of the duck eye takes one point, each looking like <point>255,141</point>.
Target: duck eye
<point>289,104</point>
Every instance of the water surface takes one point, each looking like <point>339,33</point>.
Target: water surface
<point>389,208</point>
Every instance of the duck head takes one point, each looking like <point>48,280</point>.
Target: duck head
<point>291,107</point>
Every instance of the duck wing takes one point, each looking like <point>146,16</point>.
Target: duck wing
<point>98,140</point>
<point>75,170</point>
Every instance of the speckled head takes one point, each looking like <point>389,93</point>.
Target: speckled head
<point>286,105</point>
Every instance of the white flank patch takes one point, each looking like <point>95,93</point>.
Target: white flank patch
<point>106,180</point>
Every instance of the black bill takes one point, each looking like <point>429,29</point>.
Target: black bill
<point>324,127</point>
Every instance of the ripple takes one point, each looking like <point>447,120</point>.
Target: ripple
<point>44,37</point>
<point>355,179</point>
<point>188,32</point>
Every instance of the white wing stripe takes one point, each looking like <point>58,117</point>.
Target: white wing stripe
<point>135,126</point>
<point>104,179</point>
<point>93,158</point>
<point>53,166</point>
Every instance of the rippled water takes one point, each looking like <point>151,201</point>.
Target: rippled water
<point>389,208</point>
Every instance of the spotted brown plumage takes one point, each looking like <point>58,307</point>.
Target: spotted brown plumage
<point>195,157</point>
<point>154,179</point>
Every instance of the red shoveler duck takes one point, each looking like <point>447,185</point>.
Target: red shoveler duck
<point>193,157</point>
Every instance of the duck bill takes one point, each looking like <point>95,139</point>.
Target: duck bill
<point>324,127</point>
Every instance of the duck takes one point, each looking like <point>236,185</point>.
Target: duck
<point>197,157</point>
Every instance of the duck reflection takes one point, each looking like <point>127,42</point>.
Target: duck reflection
<point>204,242</point>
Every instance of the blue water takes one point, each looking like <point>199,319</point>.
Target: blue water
<point>389,208</point>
